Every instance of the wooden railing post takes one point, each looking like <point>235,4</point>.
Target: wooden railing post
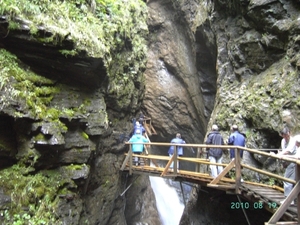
<point>130,159</point>
<point>175,159</point>
<point>238,173</point>
<point>297,178</point>
<point>199,150</point>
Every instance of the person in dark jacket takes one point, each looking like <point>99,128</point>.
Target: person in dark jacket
<point>141,119</point>
<point>215,154</point>
<point>139,127</point>
<point>176,140</point>
<point>237,139</point>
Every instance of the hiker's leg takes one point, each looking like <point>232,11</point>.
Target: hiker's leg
<point>232,154</point>
<point>213,168</point>
<point>172,164</point>
<point>219,168</point>
<point>136,160</point>
<point>289,173</point>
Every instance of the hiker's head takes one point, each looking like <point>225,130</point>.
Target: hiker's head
<point>214,127</point>
<point>235,127</point>
<point>178,135</point>
<point>285,133</point>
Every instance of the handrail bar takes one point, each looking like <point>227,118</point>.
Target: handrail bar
<point>285,158</point>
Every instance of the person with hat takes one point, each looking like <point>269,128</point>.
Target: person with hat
<point>138,127</point>
<point>238,139</point>
<point>138,141</point>
<point>215,154</point>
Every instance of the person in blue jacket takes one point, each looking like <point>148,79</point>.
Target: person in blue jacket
<point>176,140</point>
<point>138,141</point>
<point>237,139</point>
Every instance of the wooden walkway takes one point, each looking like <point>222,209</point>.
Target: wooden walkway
<point>259,195</point>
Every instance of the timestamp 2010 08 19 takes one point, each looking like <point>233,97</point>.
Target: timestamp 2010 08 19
<point>254,205</point>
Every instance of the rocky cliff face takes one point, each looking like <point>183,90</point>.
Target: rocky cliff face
<point>254,46</point>
<point>72,79</point>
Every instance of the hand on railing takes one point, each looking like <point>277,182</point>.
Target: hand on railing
<point>279,154</point>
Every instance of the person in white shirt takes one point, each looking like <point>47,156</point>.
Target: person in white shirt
<point>288,149</point>
<point>297,143</point>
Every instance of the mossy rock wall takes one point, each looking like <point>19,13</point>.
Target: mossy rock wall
<point>67,69</point>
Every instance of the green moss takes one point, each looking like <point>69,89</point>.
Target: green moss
<point>52,113</point>
<point>29,158</point>
<point>85,135</point>
<point>13,26</point>
<point>40,137</point>
<point>259,101</point>
<point>37,193</point>
<point>36,91</point>
<point>67,53</point>
<point>68,112</point>
<point>75,167</point>
<point>120,40</point>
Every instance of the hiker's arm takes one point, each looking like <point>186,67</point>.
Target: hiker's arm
<point>209,140</point>
<point>231,140</point>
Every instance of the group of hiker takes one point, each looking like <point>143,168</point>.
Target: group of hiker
<point>290,147</point>
<point>215,155</point>
<point>213,138</point>
<point>138,137</point>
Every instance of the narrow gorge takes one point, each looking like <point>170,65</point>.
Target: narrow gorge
<point>74,73</point>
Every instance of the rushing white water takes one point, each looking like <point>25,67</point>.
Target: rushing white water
<point>169,207</point>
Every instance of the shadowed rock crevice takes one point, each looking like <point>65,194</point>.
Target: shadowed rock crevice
<point>173,97</point>
<point>8,141</point>
<point>206,56</point>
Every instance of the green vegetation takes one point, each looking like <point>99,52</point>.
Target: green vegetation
<point>260,100</point>
<point>85,135</point>
<point>113,30</point>
<point>32,92</point>
<point>20,83</point>
<point>34,198</point>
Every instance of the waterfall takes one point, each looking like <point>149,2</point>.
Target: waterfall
<point>168,203</point>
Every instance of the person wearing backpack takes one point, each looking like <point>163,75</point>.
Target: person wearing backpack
<point>215,154</point>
